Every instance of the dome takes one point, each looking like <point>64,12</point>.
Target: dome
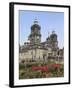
<point>35,25</point>
<point>53,36</point>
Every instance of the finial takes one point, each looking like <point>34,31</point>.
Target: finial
<point>35,21</point>
<point>53,32</point>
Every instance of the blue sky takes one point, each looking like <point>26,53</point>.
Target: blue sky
<point>48,21</point>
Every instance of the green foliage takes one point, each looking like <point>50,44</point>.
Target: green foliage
<point>25,71</point>
<point>21,66</point>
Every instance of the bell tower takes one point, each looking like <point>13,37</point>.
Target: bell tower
<point>53,40</point>
<point>35,36</point>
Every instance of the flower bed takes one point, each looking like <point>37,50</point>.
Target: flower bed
<point>41,70</point>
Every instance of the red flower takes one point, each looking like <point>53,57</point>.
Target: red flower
<point>37,68</point>
<point>44,69</point>
<point>56,66</point>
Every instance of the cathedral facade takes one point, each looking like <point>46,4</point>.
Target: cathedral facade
<point>34,50</point>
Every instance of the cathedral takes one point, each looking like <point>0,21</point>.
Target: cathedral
<point>34,50</point>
